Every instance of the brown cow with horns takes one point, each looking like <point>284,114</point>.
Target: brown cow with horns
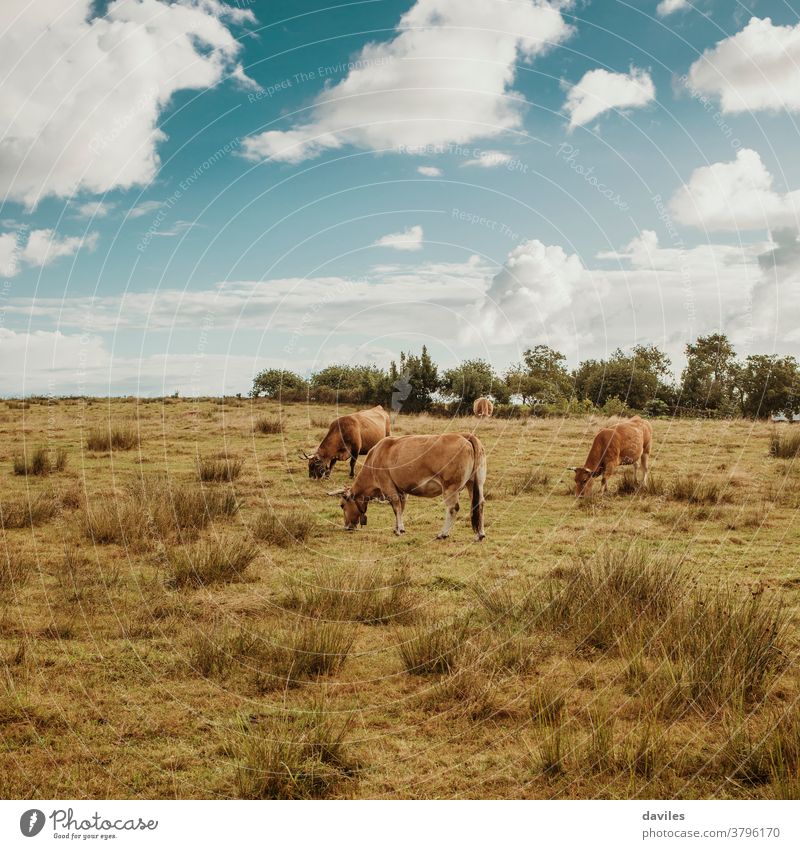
<point>347,437</point>
<point>624,444</point>
<point>399,466</point>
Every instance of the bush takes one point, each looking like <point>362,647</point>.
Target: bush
<point>511,411</point>
<point>785,445</point>
<point>293,757</point>
<point>216,562</point>
<point>218,469</point>
<point>283,530</point>
<point>656,409</point>
<point>114,438</point>
<point>615,406</point>
<point>40,462</point>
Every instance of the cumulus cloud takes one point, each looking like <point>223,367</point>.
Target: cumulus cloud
<point>92,209</point>
<point>445,78</point>
<point>737,195</point>
<point>667,7</point>
<point>37,248</point>
<point>599,91</point>
<point>758,68</point>
<point>82,92</point>
<point>489,159</point>
<point>429,171</point>
<point>409,239</point>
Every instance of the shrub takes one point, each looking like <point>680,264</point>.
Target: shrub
<point>215,562</point>
<point>656,409</point>
<point>117,438</point>
<point>433,648</point>
<point>294,757</point>
<point>285,529</point>
<point>40,462</point>
<point>218,469</point>
<point>785,445</point>
<point>268,426</point>
<point>365,595</point>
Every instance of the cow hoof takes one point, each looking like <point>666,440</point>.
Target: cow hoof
<point>442,536</point>
<point>480,537</point>
<point>397,533</point>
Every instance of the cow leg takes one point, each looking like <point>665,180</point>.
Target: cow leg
<point>353,458</point>
<point>645,467</point>
<point>450,510</point>
<point>398,503</point>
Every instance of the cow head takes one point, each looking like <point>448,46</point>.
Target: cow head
<point>354,508</point>
<point>583,479</point>
<point>317,467</point>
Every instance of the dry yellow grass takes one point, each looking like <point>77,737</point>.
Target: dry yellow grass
<point>118,681</point>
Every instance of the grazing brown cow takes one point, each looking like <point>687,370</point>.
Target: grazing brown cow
<point>623,444</point>
<point>483,407</point>
<point>399,466</point>
<point>347,437</point>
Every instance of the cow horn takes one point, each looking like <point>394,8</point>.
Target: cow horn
<point>336,491</point>
<point>572,468</point>
<point>305,455</point>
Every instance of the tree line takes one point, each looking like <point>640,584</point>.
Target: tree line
<point>715,383</point>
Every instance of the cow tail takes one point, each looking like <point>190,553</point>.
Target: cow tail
<point>478,481</point>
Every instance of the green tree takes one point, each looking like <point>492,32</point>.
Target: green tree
<point>709,380</point>
<point>351,384</point>
<point>768,384</point>
<point>542,377</point>
<point>278,383</point>
<point>473,379</point>
<point>414,382</point>
<point>634,378</point>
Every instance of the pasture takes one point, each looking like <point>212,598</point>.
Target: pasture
<point>182,615</point>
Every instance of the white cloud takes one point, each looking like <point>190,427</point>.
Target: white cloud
<point>489,159</point>
<point>758,68</point>
<point>737,195</point>
<point>92,209</point>
<point>599,91</point>
<point>445,78</point>
<point>667,7</point>
<point>409,239</point>
<point>37,248</point>
<point>429,171</point>
<point>82,93</point>
<point>144,208</point>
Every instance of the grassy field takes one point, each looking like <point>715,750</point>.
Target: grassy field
<point>182,615</point>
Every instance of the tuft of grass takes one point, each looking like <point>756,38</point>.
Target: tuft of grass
<point>208,654</point>
<point>433,648</point>
<point>215,562</point>
<point>306,756</point>
<point>218,469</point>
<point>116,520</point>
<point>25,513</point>
<point>522,483</point>
<point>646,755</point>
<point>40,462</point>
<point>116,438</point>
<point>310,649</point>
<point>725,650</point>
<point>600,749</point>
<point>767,753</point>
<point>694,490</point>
<point>785,444</point>
<point>285,529</point>
<point>546,705</point>
<point>15,570</point>
<point>506,602</point>
<point>268,426</point>
<point>551,757</point>
<point>365,595</point>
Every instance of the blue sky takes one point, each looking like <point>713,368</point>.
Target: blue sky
<point>193,191</point>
